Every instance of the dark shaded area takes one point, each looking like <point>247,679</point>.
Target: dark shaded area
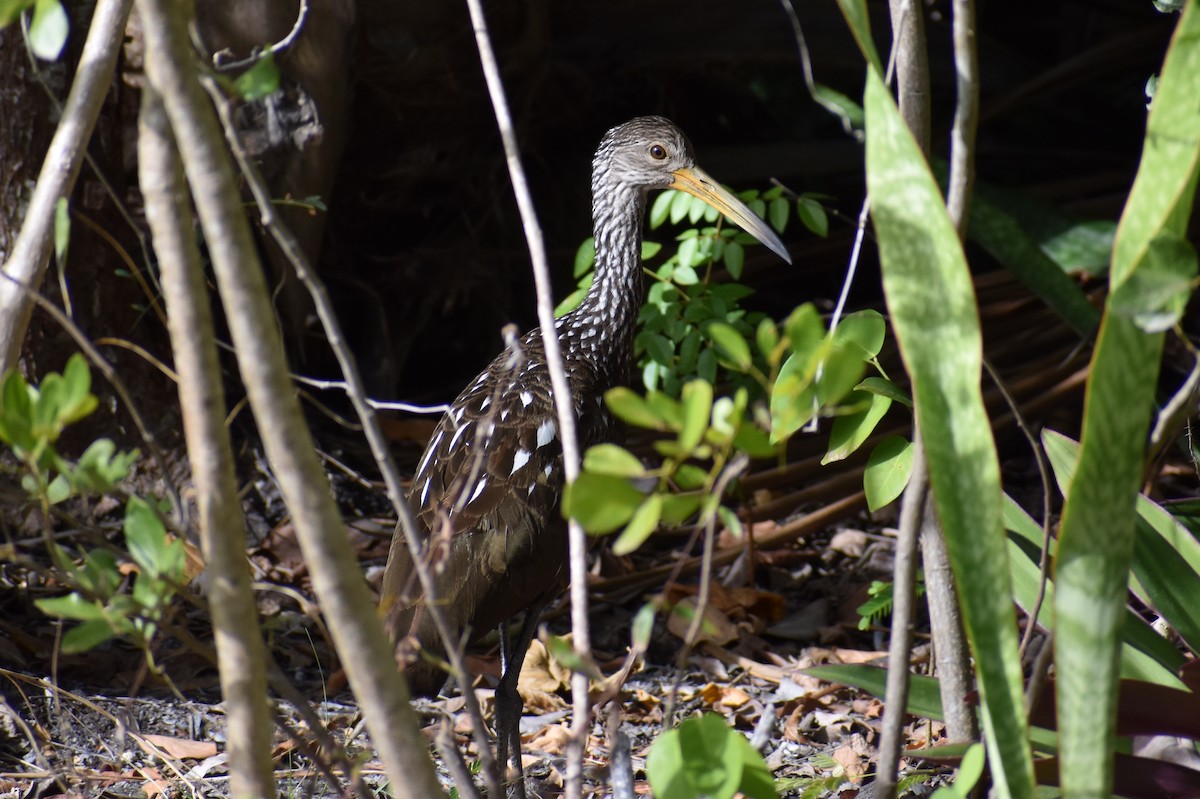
<point>425,241</point>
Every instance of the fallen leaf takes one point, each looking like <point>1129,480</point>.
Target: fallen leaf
<point>850,760</point>
<point>552,739</point>
<point>182,748</point>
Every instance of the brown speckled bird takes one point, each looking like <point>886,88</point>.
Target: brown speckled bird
<point>486,492</point>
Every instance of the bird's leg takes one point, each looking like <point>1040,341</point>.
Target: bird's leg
<point>509,705</point>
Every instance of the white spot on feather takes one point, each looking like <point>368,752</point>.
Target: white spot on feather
<point>478,490</point>
<point>545,433</point>
<point>504,414</point>
<point>425,490</point>
<point>519,459</point>
<point>549,468</point>
<point>457,433</point>
<point>526,398</point>
<point>486,402</point>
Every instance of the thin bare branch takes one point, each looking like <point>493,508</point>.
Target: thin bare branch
<point>240,648</point>
<point>564,407</point>
<point>31,252</point>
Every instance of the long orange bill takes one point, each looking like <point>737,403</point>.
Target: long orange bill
<point>696,182</point>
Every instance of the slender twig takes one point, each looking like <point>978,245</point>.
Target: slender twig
<point>966,116</point>
<point>911,66</point>
<point>620,759</point>
<point>114,197</point>
<point>564,407</point>
<point>1039,457</point>
<point>276,49</point>
<point>60,169</point>
<point>355,390</point>
<point>818,96</point>
<point>727,476</point>
<point>904,578</point>
<point>454,762</point>
<point>240,648</point>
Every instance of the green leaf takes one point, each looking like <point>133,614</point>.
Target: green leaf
<point>777,213</point>
<point>887,471</point>
<point>731,521</point>
<point>649,249</point>
<point>145,536</point>
<point>1004,225</point>
<point>735,259</point>
<point>793,398</point>
<point>86,636</point>
<point>62,228</point>
<point>690,477</point>
<point>260,80</point>
<point>571,302</point>
<point>753,441</point>
<point>688,250</point>
<point>865,329</point>
<point>72,606</point>
<point>678,508</point>
<point>78,401</point>
<point>805,329</point>
<point>642,626</point>
<point>641,525</point>
<point>660,349</point>
<point>585,257</point>
<point>16,412</point>
<point>48,31</point>
<point>699,759</point>
<point>766,337</point>
<point>812,216</point>
<point>884,388</point>
<point>1098,522</point>
<point>851,430</point>
<point>855,12</point>
<point>632,409</point>
<point>661,208</point>
<point>1157,292</point>
<point>681,203</point>
<point>697,406</point>
<point>847,110</point>
<point>924,696</point>
<point>932,308</point>
<point>685,275</point>
<point>600,503</point>
<point>613,460</point>
<point>730,344</point>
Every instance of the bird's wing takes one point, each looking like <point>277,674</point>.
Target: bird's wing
<point>499,440</point>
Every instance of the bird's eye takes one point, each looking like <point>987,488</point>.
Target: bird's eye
<point>658,152</point>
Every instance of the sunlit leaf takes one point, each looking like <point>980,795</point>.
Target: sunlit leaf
<point>600,503</point>
<point>641,525</point>
<point>887,471</point>
<point>48,31</point>
<point>614,460</point>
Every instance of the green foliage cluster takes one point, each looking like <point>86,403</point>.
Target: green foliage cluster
<point>705,757</point>
<point>32,419</point>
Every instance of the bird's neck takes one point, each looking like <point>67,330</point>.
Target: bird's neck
<point>601,329</point>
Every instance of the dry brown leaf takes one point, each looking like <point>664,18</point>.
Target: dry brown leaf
<point>538,672</point>
<point>182,748</point>
<point>152,782</point>
<point>850,760</point>
<point>551,739</point>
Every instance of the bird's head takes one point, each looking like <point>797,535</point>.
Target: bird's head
<point>652,153</point>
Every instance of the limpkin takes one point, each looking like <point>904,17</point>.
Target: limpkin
<point>486,491</point>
